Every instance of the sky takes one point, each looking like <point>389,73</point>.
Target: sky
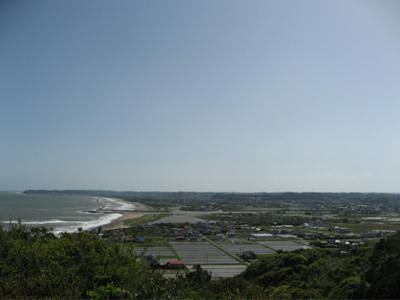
<point>210,95</point>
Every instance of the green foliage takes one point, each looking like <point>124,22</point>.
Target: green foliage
<point>348,288</point>
<point>34,263</point>
<point>144,219</point>
<point>384,271</point>
<point>198,277</point>
<point>305,273</point>
<point>109,292</point>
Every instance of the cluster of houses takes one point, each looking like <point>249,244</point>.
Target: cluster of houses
<point>332,236</point>
<point>181,233</point>
<point>212,229</point>
<point>335,243</point>
<point>178,232</point>
<point>337,233</point>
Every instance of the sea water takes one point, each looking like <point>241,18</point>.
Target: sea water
<point>58,212</point>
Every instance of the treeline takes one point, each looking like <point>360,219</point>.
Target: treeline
<point>311,197</point>
<point>36,264</point>
<point>129,195</point>
<point>242,199</point>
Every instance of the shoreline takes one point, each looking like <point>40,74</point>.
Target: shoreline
<point>125,210</point>
<point>104,212</point>
<point>118,223</point>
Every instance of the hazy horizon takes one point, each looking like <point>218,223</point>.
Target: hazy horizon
<point>192,191</point>
<point>259,96</point>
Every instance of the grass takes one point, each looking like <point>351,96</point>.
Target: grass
<point>364,227</point>
<point>259,256</point>
<point>174,251</point>
<point>148,218</point>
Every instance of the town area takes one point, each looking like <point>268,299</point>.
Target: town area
<point>225,235</point>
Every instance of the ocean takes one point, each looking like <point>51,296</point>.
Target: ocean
<point>59,213</point>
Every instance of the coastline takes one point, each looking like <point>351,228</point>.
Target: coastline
<point>119,222</point>
<point>86,212</point>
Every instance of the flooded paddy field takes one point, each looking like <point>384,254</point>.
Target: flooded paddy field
<point>178,219</point>
<point>239,249</point>
<point>284,245</point>
<point>201,253</point>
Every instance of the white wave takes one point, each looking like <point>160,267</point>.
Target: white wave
<point>46,222</point>
<point>37,222</point>
<point>115,204</point>
<point>86,225</point>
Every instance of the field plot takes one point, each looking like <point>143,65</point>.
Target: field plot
<point>201,253</point>
<point>239,249</point>
<point>156,251</point>
<point>284,245</point>
<point>178,219</point>
<point>222,271</point>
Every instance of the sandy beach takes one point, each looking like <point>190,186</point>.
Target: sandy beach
<point>119,223</point>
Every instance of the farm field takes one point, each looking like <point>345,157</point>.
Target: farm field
<point>284,245</point>
<point>371,225</point>
<point>178,219</point>
<point>201,253</point>
<point>239,249</point>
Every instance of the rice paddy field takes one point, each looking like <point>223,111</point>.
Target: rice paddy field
<point>239,249</point>
<point>178,219</point>
<point>283,245</point>
<point>201,253</point>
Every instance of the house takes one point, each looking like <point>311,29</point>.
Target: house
<point>338,242</point>
<point>370,234</point>
<point>261,235</point>
<point>140,239</point>
<point>175,264</point>
<point>230,234</point>
<point>340,229</point>
<point>219,236</point>
<point>256,228</point>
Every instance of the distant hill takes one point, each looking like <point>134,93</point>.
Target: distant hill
<point>129,194</point>
<point>282,197</point>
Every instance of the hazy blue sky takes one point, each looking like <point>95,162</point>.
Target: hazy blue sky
<point>200,95</point>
